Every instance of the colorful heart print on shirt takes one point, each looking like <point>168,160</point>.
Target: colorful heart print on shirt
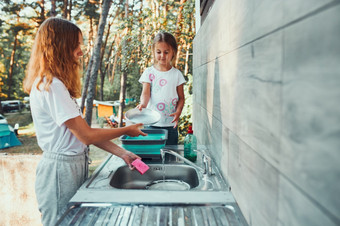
<point>151,77</point>
<point>167,108</point>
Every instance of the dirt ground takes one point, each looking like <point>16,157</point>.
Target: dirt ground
<point>18,205</point>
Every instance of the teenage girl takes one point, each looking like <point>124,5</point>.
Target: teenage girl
<point>163,86</point>
<point>53,82</point>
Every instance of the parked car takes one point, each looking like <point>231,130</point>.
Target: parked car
<point>3,120</point>
<point>12,105</point>
<point>27,102</point>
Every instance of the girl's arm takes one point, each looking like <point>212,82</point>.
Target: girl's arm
<point>114,149</point>
<point>145,96</point>
<point>180,104</point>
<point>87,135</point>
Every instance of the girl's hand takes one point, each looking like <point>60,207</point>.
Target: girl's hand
<point>135,130</point>
<point>176,118</point>
<point>129,157</point>
<point>140,106</point>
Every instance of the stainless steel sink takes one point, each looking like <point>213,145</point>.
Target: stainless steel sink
<point>124,178</point>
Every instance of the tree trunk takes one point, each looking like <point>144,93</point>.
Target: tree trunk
<point>140,36</point>
<point>86,82</point>
<point>11,67</point>
<point>53,8</point>
<point>122,98</point>
<point>88,55</point>
<point>114,65</point>
<point>124,74</point>
<point>186,68</point>
<point>153,9</point>
<point>165,12</point>
<point>179,18</point>
<point>157,14</point>
<point>65,11</point>
<point>102,74</point>
<point>42,11</point>
<point>69,11</point>
<point>96,61</point>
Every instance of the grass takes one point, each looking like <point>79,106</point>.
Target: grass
<point>26,135</point>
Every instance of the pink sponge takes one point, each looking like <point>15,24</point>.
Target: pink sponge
<point>140,166</point>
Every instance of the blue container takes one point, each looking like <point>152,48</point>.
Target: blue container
<point>146,145</point>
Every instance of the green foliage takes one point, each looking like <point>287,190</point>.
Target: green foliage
<point>14,43</point>
<point>21,56</point>
<point>185,119</point>
<point>130,38</point>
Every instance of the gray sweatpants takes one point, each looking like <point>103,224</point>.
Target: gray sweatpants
<point>58,177</point>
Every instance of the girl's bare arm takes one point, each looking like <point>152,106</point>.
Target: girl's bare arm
<point>114,149</point>
<point>145,96</point>
<point>180,104</point>
<point>79,127</point>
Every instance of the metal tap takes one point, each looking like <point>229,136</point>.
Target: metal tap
<point>207,164</point>
<point>205,158</point>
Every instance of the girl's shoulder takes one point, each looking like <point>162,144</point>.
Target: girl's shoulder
<point>57,85</point>
<point>54,83</point>
<point>175,72</point>
<point>148,70</point>
<point>173,69</point>
<point>57,82</point>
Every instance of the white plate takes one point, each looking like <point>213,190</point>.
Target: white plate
<point>145,116</point>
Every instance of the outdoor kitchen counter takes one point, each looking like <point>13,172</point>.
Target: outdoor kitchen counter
<point>98,203</point>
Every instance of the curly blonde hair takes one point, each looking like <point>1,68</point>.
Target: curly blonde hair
<point>53,56</point>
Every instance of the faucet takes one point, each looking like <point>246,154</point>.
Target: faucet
<point>206,161</point>
<point>207,164</point>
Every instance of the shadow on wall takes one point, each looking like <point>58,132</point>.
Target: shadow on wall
<point>210,113</point>
<point>17,196</point>
<point>216,123</point>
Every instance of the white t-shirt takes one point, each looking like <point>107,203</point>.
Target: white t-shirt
<point>163,96</point>
<point>50,109</point>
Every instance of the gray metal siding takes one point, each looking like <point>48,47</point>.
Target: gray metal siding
<point>141,215</point>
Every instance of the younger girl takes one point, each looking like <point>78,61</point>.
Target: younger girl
<point>53,82</point>
<point>163,86</point>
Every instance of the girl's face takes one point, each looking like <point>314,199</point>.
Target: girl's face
<point>78,51</point>
<point>163,54</point>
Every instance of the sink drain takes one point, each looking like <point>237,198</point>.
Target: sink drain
<point>172,185</point>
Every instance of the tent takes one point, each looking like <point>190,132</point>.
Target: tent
<point>7,137</point>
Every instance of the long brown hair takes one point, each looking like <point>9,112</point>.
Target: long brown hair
<point>53,56</point>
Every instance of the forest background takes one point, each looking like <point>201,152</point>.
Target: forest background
<point>117,36</point>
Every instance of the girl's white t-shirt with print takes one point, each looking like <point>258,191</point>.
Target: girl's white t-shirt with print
<point>50,109</point>
<point>164,95</point>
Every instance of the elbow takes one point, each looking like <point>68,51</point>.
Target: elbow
<point>87,143</point>
<point>86,140</point>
